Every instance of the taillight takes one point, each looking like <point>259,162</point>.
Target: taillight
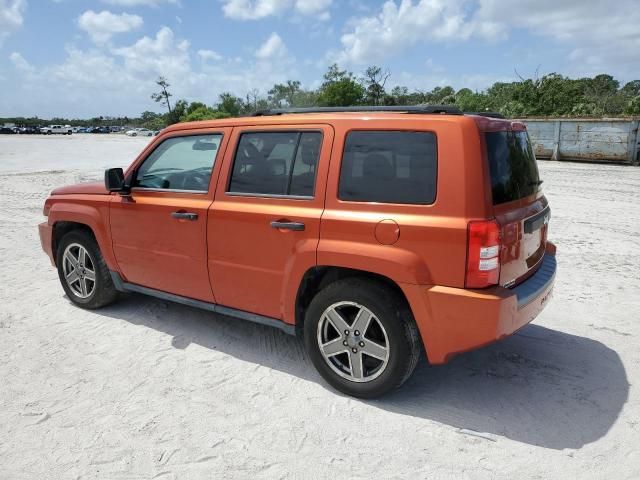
<point>483,254</point>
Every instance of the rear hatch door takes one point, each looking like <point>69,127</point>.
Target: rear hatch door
<point>519,205</point>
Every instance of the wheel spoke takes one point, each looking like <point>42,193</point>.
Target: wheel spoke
<point>375,350</point>
<point>337,321</point>
<point>361,323</point>
<point>90,275</point>
<point>81,256</point>
<point>71,259</point>
<point>72,278</point>
<point>355,360</point>
<point>83,287</point>
<point>334,347</point>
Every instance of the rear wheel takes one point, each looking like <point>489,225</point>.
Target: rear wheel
<point>361,337</point>
<point>83,272</point>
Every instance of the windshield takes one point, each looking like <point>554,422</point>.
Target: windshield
<point>512,164</point>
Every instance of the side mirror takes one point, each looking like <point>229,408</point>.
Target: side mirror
<point>114,180</point>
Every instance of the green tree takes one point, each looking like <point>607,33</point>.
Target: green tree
<point>284,94</point>
<point>163,95</point>
<point>340,89</point>
<point>230,104</point>
<point>375,80</point>
<point>179,110</point>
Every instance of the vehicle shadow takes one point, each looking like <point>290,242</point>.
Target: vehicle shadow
<point>541,386</point>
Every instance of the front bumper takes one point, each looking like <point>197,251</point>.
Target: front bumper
<point>455,320</point>
<point>46,240</point>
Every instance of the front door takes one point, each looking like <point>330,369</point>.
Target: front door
<point>264,224</point>
<point>159,232</point>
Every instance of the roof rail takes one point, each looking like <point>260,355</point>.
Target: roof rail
<point>415,109</point>
<point>486,114</point>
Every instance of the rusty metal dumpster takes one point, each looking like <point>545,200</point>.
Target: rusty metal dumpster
<point>615,140</point>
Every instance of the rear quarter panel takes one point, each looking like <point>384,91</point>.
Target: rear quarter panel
<point>431,248</point>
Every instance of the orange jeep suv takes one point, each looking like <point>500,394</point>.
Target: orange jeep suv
<point>373,232</point>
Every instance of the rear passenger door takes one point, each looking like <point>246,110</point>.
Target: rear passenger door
<point>264,223</point>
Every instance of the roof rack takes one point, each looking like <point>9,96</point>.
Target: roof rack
<point>413,109</point>
<point>486,114</point>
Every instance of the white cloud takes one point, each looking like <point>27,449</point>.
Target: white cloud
<point>140,3</point>
<point>272,48</point>
<point>102,26</point>
<point>117,81</point>
<point>11,17</point>
<point>398,26</point>
<point>597,35</point>
<point>20,63</point>
<point>209,55</point>
<point>162,55</point>
<point>600,35</point>
<point>258,9</point>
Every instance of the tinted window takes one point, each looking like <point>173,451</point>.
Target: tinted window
<point>180,163</point>
<point>276,163</point>
<point>389,167</point>
<point>514,172</point>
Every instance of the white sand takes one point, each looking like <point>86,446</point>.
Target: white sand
<point>149,389</point>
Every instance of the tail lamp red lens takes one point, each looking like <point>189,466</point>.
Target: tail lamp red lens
<point>483,254</point>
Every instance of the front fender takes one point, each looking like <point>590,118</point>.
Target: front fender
<point>89,210</point>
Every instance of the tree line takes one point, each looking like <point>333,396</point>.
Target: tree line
<point>549,95</point>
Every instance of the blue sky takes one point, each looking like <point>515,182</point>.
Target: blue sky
<point>79,58</point>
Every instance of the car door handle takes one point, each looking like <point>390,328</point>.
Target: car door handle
<point>282,225</point>
<point>185,216</point>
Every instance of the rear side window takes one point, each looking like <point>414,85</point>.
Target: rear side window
<point>389,167</point>
<point>276,163</point>
<point>513,167</point>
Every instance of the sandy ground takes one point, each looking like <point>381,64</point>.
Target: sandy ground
<point>148,389</point>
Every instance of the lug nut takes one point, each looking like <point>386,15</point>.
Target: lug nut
<point>361,344</point>
<point>346,332</point>
<point>345,343</point>
<point>354,350</point>
<point>356,333</point>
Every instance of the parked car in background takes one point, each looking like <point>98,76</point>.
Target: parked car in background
<point>57,130</point>
<point>7,131</point>
<point>28,130</point>
<point>376,235</point>
<point>99,130</point>
<point>139,132</point>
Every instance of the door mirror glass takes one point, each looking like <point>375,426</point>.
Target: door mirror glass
<point>114,179</point>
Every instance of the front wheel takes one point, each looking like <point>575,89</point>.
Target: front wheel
<point>83,273</point>
<point>361,337</point>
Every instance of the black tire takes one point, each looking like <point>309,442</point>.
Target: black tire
<point>392,313</point>
<point>104,292</point>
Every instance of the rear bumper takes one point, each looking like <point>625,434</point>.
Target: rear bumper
<point>46,240</point>
<point>454,320</point>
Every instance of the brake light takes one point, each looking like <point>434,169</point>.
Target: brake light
<point>483,254</point>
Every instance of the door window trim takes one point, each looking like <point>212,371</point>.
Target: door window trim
<point>177,190</point>
<point>299,131</point>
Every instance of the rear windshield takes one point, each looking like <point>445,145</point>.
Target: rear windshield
<point>514,172</point>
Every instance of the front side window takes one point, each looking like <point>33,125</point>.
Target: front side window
<point>389,167</point>
<point>180,163</point>
<point>276,163</point>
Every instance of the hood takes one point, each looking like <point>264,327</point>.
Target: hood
<point>95,188</point>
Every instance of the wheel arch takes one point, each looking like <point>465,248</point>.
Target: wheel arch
<point>318,277</point>
<point>68,216</point>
